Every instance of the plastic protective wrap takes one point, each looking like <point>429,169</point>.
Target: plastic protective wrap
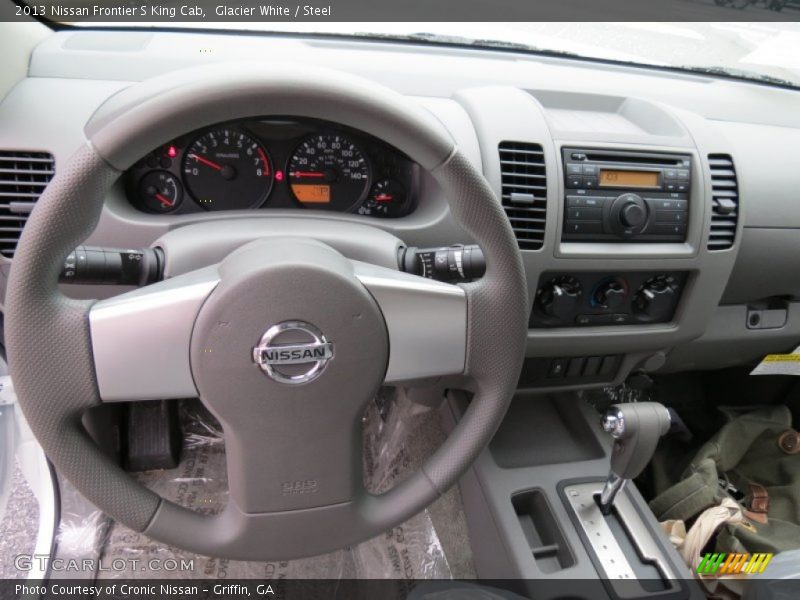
<point>409,552</point>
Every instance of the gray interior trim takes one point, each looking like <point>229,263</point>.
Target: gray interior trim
<point>201,244</point>
<point>417,309</point>
<point>140,340</point>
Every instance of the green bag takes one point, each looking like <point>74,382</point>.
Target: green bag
<point>741,461</point>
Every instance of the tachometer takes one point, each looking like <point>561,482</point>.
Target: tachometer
<point>226,169</point>
<point>329,172</point>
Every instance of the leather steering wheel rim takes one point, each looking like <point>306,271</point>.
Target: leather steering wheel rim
<point>49,338</point>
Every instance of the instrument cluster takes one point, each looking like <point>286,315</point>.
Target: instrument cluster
<point>275,163</point>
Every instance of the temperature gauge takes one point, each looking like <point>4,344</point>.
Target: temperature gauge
<point>387,198</point>
<point>160,192</point>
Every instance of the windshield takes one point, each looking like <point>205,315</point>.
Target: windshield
<point>767,52</point>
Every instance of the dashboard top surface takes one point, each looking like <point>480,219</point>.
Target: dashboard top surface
<point>410,68</point>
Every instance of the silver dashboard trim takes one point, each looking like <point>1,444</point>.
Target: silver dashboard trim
<point>141,340</point>
<point>426,321</point>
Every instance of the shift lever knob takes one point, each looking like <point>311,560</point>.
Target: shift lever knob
<point>636,429</point>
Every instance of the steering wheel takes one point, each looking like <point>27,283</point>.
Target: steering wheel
<point>285,340</point>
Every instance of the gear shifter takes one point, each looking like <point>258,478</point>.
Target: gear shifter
<point>636,429</point>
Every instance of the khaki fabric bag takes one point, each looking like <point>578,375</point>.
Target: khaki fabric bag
<point>743,460</point>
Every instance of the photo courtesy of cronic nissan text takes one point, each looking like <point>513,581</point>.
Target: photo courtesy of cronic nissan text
<point>419,300</point>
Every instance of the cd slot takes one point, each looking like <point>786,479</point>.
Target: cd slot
<point>656,160</point>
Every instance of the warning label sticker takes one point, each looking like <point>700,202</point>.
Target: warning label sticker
<point>779,364</point>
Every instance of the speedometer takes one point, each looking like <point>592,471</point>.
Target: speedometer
<point>329,172</point>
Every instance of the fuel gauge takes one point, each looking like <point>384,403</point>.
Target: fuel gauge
<point>160,192</point>
<point>387,198</point>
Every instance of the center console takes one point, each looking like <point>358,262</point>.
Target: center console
<point>535,515</point>
<point>626,214</point>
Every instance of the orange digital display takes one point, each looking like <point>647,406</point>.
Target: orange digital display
<point>648,179</point>
<point>312,194</point>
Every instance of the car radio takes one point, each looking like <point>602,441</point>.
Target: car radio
<point>625,196</point>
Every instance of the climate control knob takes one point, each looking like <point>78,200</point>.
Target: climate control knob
<point>560,298</point>
<point>655,299</point>
<point>611,295</point>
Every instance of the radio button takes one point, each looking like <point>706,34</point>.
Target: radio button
<point>589,169</point>
<point>670,173</point>
<point>596,201</point>
<point>584,214</point>
<point>574,181</point>
<point>671,216</point>
<point>574,169</point>
<point>668,229</point>
<point>667,204</point>
<point>583,227</point>
<point>682,175</point>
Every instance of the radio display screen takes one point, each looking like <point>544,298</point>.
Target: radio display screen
<point>616,178</point>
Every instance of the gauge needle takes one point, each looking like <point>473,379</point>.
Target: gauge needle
<point>206,162</point>
<point>264,161</point>
<point>164,200</point>
<point>383,198</point>
<point>307,174</point>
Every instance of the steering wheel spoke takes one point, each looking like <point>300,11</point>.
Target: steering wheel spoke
<point>141,339</point>
<point>426,321</point>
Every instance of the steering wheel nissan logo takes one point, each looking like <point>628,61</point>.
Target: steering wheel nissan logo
<point>293,352</point>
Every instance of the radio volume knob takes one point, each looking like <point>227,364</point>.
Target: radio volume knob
<point>632,215</point>
<point>628,215</point>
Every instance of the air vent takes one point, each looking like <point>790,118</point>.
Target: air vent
<point>23,177</point>
<point>524,191</point>
<point>725,202</point>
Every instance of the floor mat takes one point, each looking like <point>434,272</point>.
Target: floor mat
<point>19,525</point>
<point>393,447</point>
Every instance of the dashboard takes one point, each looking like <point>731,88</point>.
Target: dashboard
<point>657,221</point>
<point>275,163</point>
